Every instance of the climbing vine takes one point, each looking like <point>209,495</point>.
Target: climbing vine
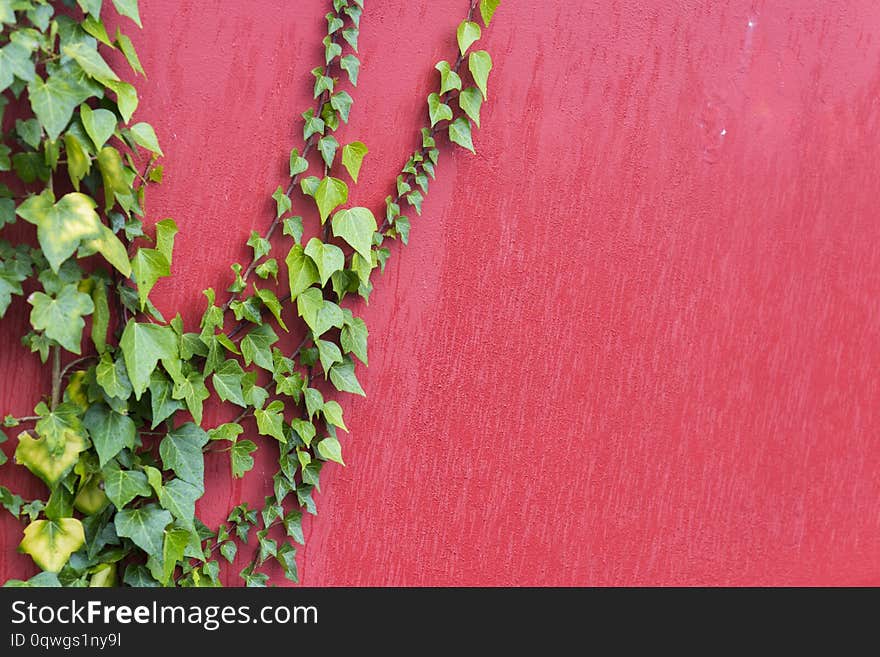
<point>118,440</point>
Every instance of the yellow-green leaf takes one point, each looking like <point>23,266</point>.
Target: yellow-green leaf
<point>51,542</point>
<point>35,455</point>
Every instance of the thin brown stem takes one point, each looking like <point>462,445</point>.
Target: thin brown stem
<point>56,376</point>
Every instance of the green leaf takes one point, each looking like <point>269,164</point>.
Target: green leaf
<point>332,50</point>
<point>328,258</point>
<point>306,430</point>
<point>356,226</point>
<point>128,8</point>
<point>319,314</point>
<point>260,245</point>
<point>470,100</point>
<point>176,541</point>
<point>127,48</point>
<point>298,164</point>
<point>256,346</point>
<point>59,426</point>
<point>148,266</point>
<point>108,245</point>
<point>78,162</point>
<point>15,62</point>
<point>181,451</point>
<point>350,34</point>
<point>51,542</point>
<point>97,29</point>
<point>309,185</point>
<point>313,125</point>
<point>353,338</point>
<point>62,226</point>
<point>286,557</point>
<point>145,526</point>
<point>293,526</point>
<point>282,201</point>
<point>352,158</point>
<point>267,268</point>
<point>328,353</point>
<point>143,345</point>
<point>351,65</point>
<point>327,147</point>
<point>480,64</point>
<point>227,382</point>
<point>100,124</point>
<point>343,378</point>
<point>162,404</point>
<point>460,133</point>
<point>271,302</point>
<point>113,175</point>
<point>192,389</point>
<point>112,376</point>
<point>487,10</point>
<point>329,195</point>
<point>438,110</point>
<point>330,450</point>
<point>110,431</point>
<point>100,317</point>
<point>301,270</point>
<point>126,98</point>
<point>145,136</point>
<point>53,102</point>
<point>467,33</point>
<point>449,79</point>
<point>62,317</point>
<point>270,420</point>
<point>314,401</point>
<point>48,464</point>
<point>241,459</point>
<point>180,497</point>
<point>333,413</point>
<point>342,103</point>
<point>122,486</point>
<point>30,132</point>
<point>90,61</point>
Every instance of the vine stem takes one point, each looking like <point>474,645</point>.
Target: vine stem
<point>74,363</point>
<point>310,142</point>
<point>56,376</point>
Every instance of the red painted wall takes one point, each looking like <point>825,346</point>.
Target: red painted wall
<point>635,340</point>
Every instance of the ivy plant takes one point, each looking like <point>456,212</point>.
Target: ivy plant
<point>119,439</point>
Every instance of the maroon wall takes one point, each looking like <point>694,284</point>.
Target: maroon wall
<point>635,340</point>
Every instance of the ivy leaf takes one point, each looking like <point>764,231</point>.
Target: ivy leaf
<point>78,162</point>
<point>356,226</point>
<point>256,346</point>
<point>330,450</point>
<point>327,147</point>
<point>333,413</point>
<point>227,382</point>
<point>293,526</point>
<point>282,201</point>
<point>480,64</point>
<point>181,451</point>
<point>112,377</point>
<point>53,102</point>
<point>438,110</point>
<point>145,526</point>
<point>122,486</point>
<point>306,430</point>
<point>352,158</point>
<point>143,345</point>
<point>192,389</point>
<point>179,497</point>
<point>353,338</point>
<point>100,317</point>
<point>286,557</point>
<point>487,10</point>
<point>449,79</point>
<point>51,542</point>
<point>90,60</point>
<point>100,124</point>
<point>342,103</point>
<point>470,100</point>
<point>343,378</point>
<point>47,463</point>
<point>241,459</point>
<point>110,431</point>
<point>298,164</point>
<point>467,33</point>
<point>173,548</point>
<point>62,317</point>
<point>145,136</point>
<point>351,65</point>
<point>309,185</point>
<point>126,98</point>
<point>127,48</point>
<point>163,405</point>
<point>270,421</point>
<point>272,304</point>
<point>330,194</point>
<point>314,401</point>
<point>301,271</point>
<point>228,550</point>
<point>328,353</point>
<point>460,133</point>
<point>128,8</point>
<point>62,226</point>
<point>259,244</point>
<point>328,258</point>
<point>15,62</point>
<point>319,314</point>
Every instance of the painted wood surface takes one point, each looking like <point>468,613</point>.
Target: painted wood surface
<point>633,341</point>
